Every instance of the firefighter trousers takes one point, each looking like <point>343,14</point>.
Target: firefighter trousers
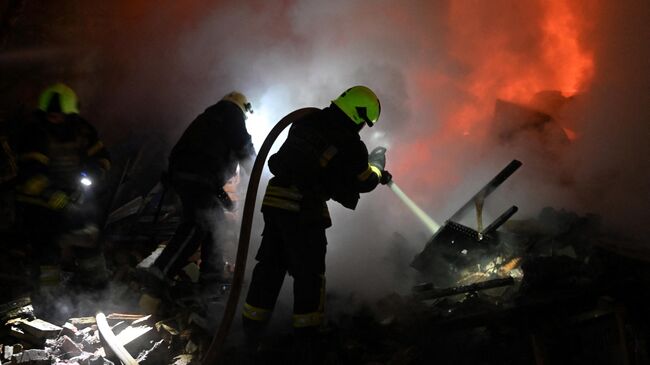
<point>289,245</point>
<point>200,223</point>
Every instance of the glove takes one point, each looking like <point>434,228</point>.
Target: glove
<point>58,200</point>
<point>386,177</point>
<point>377,158</point>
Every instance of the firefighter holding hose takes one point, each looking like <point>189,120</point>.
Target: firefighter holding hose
<point>323,158</point>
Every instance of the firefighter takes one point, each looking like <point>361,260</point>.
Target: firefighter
<point>200,164</point>
<point>59,157</point>
<point>323,158</point>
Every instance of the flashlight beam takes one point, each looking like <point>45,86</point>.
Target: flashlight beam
<point>424,217</point>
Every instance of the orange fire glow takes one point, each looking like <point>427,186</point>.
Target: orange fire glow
<point>510,63</point>
<point>502,50</point>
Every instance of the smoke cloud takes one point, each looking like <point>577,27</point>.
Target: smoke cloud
<point>438,68</point>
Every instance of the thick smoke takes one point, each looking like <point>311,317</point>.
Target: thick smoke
<point>439,69</point>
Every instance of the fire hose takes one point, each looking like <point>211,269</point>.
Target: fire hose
<point>216,345</point>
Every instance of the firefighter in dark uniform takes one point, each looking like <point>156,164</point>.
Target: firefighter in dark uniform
<point>59,157</point>
<point>323,158</point>
<point>200,164</point>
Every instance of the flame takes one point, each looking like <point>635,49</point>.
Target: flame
<point>498,51</point>
<point>506,62</point>
<point>574,66</point>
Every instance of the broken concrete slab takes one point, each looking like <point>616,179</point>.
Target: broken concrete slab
<point>69,347</point>
<point>18,333</point>
<point>40,328</point>
<point>32,357</point>
<point>69,330</point>
<point>7,352</point>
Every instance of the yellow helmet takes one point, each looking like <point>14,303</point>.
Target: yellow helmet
<point>241,101</point>
<point>58,98</point>
<point>360,104</point>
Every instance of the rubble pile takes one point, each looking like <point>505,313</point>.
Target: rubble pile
<point>550,291</point>
<point>80,341</point>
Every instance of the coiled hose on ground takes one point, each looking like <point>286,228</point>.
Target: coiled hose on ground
<point>216,345</point>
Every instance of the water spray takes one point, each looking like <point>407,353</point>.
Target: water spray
<point>424,217</point>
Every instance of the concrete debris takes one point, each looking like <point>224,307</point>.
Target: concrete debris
<point>18,333</point>
<point>70,348</point>
<point>40,328</point>
<point>7,352</point>
<point>69,345</point>
<point>19,307</point>
<point>68,329</point>
<point>31,357</point>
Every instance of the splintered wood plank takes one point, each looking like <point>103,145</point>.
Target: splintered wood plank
<point>82,322</point>
<point>124,317</point>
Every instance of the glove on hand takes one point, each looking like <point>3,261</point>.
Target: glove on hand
<point>386,177</point>
<point>58,200</point>
<point>377,158</point>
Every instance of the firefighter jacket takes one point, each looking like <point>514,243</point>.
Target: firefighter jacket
<point>52,157</point>
<point>323,158</point>
<point>212,146</point>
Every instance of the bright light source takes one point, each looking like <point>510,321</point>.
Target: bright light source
<point>85,181</point>
<point>258,126</point>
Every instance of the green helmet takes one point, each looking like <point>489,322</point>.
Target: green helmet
<point>58,98</point>
<point>360,104</point>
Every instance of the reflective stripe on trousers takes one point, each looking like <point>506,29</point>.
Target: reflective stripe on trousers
<point>313,319</point>
<point>256,313</point>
